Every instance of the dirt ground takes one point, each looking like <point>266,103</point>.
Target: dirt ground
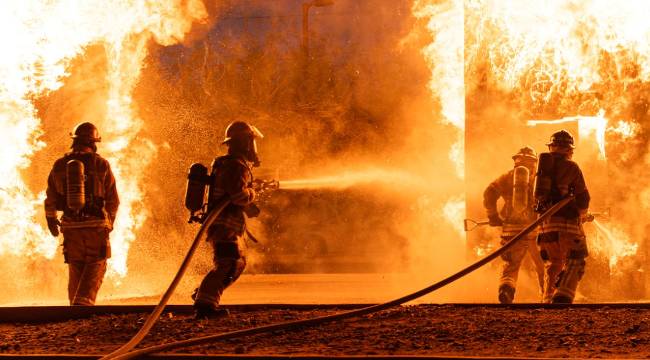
<point>413,330</point>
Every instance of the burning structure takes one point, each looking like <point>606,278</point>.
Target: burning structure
<point>431,93</point>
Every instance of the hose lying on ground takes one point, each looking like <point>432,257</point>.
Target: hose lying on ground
<point>353,313</point>
<point>155,314</point>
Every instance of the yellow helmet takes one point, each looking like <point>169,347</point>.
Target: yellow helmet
<point>241,130</point>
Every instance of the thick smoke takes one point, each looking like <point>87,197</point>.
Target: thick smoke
<point>359,102</point>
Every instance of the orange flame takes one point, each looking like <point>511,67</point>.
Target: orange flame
<point>562,55</point>
<point>586,126</point>
<point>44,36</point>
<point>445,56</point>
<point>596,125</point>
<point>454,212</point>
<point>555,47</point>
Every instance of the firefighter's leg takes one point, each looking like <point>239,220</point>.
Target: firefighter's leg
<point>229,265</point>
<point>97,249</point>
<point>74,256</point>
<point>75,268</point>
<point>90,282</point>
<point>538,263</point>
<point>553,255</point>
<point>217,280</point>
<point>510,271</point>
<point>574,267</point>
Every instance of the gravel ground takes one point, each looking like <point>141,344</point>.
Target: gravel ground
<point>414,330</point>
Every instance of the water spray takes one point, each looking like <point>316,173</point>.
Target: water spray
<point>617,249</point>
<point>348,179</point>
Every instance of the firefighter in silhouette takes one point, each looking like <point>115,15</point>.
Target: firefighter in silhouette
<point>516,189</point>
<point>231,178</point>
<point>561,239</point>
<point>82,186</point>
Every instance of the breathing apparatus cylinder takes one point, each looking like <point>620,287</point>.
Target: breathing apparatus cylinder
<point>544,181</point>
<point>75,189</point>
<point>197,181</point>
<point>520,190</point>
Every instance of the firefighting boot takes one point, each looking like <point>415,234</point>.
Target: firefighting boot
<point>205,311</point>
<point>561,299</point>
<point>506,294</point>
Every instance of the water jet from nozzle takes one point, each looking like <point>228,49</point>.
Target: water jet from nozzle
<point>346,179</point>
<point>618,245</point>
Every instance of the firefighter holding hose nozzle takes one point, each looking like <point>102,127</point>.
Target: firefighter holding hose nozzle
<point>82,186</point>
<point>516,189</point>
<point>231,178</point>
<point>561,238</point>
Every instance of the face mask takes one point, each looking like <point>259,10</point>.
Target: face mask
<point>253,157</point>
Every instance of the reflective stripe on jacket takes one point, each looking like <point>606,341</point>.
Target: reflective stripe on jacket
<point>567,179</point>
<point>102,200</point>
<point>232,179</point>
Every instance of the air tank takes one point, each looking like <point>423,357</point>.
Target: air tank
<point>544,177</point>
<point>197,180</point>
<point>75,189</point>
<point>520,189</point>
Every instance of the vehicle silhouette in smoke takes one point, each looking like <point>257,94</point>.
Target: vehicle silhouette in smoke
<point>330,231</point>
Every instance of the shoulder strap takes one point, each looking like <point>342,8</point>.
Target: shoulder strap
<point>91,174</point>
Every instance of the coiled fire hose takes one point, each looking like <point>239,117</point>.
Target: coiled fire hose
<point>334,317</point>
<point>155,314</point>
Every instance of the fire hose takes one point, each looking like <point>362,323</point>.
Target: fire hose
<point>155,314</point>
<point>123,353</point>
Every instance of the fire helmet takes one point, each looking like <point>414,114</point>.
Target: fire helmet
<point>241,130</point>
<point>526,153</point>
<point>86,133</point>
<point>562,138</point>
<point>240,138</point>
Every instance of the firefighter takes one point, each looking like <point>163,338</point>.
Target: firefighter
<point>82,186</point>
<point>516,188</point>
<point>561,239</point>
<point>231,179</point>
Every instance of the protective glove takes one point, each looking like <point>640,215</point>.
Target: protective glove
<point>53,224</point>
<point>587,218</point>
<point>495,220</point>
<point>111,218</point>
<point>252,211</point>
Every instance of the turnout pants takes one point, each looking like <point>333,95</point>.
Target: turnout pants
<point>564,259</point>
<point>229,263</point>
<point>513,258</point>
<point>85,251</point>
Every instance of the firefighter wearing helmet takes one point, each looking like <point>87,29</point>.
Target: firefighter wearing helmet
<point>515,187</point>
<point>231,178</point>
<point>561,239</point>
<point>81,186</point>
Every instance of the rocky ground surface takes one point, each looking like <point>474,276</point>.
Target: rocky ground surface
<point>413,330</point>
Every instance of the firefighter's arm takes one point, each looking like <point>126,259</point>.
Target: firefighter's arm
<point>52,198</point>
<point>111,198</point>
<point>237,179</point>
<point>581,193</point>
<point>490,197</point>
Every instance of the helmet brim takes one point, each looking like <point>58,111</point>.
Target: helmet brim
<point>255,132</point>
<point>93,139</point>
<point>570,146</point>
<point>522,157</point>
